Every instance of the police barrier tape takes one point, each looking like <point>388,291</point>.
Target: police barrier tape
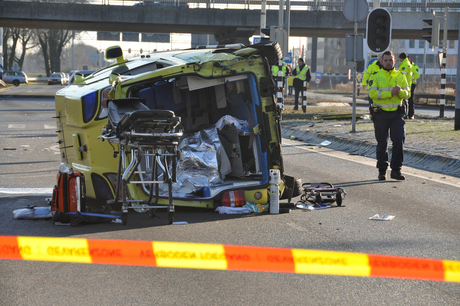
<point>225,257</point>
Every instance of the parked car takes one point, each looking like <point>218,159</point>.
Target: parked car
<point>66,77</point>
<point>83,73</point>
<point>57,78</point>
<point>15,77</point>
<point>223,95</point>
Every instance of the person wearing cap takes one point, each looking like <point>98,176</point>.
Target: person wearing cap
<point>415,76</point>
<point>406,68</point>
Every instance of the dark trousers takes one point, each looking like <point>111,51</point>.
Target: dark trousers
<point>392,124</point>
<point>298,93</point>
<point>411,110</point>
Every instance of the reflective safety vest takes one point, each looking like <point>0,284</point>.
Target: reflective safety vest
<point>302,75</point>
<point>406,69</point>
<point>275,70</point>
<point>371,69</point>
<point>415,73</point>
<point>382,83</point>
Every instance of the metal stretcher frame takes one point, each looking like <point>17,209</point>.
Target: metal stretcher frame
<point>141,133</point>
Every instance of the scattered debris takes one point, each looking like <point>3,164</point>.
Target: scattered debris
<point>382,218</point>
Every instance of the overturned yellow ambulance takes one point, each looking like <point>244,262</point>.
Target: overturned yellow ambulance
<point>229,122</point>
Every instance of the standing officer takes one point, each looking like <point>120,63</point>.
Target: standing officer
<point>284,69</point>
<point>415,76</point>
<point>406,68</point>
<point>301,73</point>
<point>387,89</point>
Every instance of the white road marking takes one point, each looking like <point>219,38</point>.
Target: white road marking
<point>23,126</point>
<point>20,191</point>
<point>16,126</point>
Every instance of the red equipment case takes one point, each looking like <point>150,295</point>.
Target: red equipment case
<point>69,193</point>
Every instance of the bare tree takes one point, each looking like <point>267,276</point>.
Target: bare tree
<point>52,43</point>
<point>16,42</point>
<point>10,42</point>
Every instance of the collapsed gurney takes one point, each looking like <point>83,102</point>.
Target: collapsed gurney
<point>147,136</point>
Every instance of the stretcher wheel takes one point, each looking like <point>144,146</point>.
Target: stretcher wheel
<point>318,198</point>
<point>124,218</point>
<point>338,198</point>
<point>170,218</point>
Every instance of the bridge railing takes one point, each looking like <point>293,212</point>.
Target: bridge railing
<point>312,5</point>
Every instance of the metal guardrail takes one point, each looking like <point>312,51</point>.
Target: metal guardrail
<point>450,99</point>
<point>313,5</point>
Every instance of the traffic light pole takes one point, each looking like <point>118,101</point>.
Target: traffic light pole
<point>353,117</point>
<point>442,102</point>
<point>457,96</point>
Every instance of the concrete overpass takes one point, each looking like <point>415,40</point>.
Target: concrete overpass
<point>228,25</point>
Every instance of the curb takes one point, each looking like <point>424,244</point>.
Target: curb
<point>427,162</point>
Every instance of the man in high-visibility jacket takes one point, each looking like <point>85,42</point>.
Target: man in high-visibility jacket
<point>387,89</point>
<point>372,68</point>
<point>284,69</point>
<point>276,69</point>
<point>405,67</point>
<point>415,76</point>
<point>301,74</point>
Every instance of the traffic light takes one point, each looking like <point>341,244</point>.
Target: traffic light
<point>378,34</point>
<point>275,34</point>
<point>360,66</point>
<point>270,34</point>
<point>433,30</point>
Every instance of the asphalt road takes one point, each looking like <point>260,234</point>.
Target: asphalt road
<point>426,225</point>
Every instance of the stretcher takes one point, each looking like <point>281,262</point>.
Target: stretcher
<point>144,136</point>
<point>322,194</point>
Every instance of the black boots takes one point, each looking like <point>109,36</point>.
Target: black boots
<point>396,174</point>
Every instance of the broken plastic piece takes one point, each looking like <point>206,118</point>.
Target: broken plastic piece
<point>382,218</point>
<point>233,210</point>
<point>316,206</point>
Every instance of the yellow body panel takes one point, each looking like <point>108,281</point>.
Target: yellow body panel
<point>81,118</point>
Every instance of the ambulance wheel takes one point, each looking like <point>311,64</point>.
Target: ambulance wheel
<point>124,218</point>
<point>338,198</point>
<point>170,218</point>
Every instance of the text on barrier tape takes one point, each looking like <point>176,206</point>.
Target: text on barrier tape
<point>225,257</point>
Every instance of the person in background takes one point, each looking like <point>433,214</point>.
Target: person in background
<point>301,73</point>
<point>369,71</point>
<point>372,68</point>
<point>275,70</point>
<point>405,67</point>
<point>415,76</point>
<point>387,89</point>
<point>290,84</point>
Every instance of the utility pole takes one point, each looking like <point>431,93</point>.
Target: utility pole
<point>442,101</point>
<point>457,97</point>
<point>263,18</point>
